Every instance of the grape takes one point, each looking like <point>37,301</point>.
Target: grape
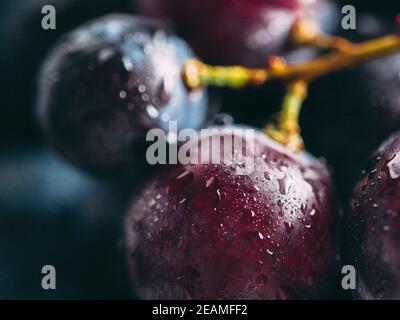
<point>346,125</point>
<point>372,225</point>
<point>24,46</point>
<point>109,82</point>
<point>211,231</point>
<point>52,214</point>
<point>242,32</point>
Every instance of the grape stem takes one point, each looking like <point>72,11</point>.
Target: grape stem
<point>287,129</point>
<point>197,74</point>
<point>306,33</point>
<point>344,54</point>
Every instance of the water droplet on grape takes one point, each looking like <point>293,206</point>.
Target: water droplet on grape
<point>152,111</point>
<point>394,167</point>
<point>356,204</point>
<point>152,202</point>
<point>210,182</point>
<point>165,116</point>
<point>142,88</point>
<point>284,185</point>
<point>303,208</point>
<point>127,63</point>
<point>181,181</point>
<point>289,227</point>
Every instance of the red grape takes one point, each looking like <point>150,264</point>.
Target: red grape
<point>209,232</point>
<point>237,31</point>
<point>372,226</point>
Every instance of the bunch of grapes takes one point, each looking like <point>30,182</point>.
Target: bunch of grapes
<point>208,230</point>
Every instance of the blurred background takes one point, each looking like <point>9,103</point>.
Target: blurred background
<point>53,214</point>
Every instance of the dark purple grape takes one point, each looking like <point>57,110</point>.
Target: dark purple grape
<point>24,45</point>
<point>242,32</point>
<point>109,82</point>
<point>213,231</point>
<point>372,225</point>
<point>52,214</point>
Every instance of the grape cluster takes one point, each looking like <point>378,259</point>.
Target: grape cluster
<point>213,230</point>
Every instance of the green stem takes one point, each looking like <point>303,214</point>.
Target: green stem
<point>287,130</point>
<point>197,74</point>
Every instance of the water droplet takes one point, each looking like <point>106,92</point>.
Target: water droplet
<point>145,97</point>
<point>122,94</point>
<point>180,182</point>
<point>142,88</point>
<point>219,194</point>
<point>375,205</point>
<point>289,227</point>
<point>372,173</point>
<point>313,212</point>
<point>152,202</point>
<point>260,235</point>
<point>356,204</point>
<point>394,167</point>
<point>210,182</point>
<point>105,54</point>
<point>127,63</point>
<point>185,174</point>
<point>152,111</point>
<point>284,185</point>
<point>270,252</point>
<point>165,116</point>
